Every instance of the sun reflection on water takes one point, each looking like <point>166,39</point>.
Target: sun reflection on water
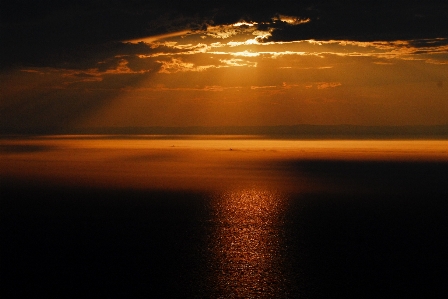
<point>245,246</point>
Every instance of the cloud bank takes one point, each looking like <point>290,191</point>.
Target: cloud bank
<point>46,33</point>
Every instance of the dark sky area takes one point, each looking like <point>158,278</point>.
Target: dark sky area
<point>54,33</point>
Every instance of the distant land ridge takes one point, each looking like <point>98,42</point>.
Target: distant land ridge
<point>280,131</point>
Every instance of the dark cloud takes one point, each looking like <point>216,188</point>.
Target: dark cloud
<point>429,43</point>
<point>369,21</point>
<point>78,34</point>
<point>46,33</point>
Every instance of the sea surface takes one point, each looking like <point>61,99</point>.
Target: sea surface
<point>222,217</point>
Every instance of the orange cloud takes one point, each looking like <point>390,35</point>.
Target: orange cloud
<point>325,85</point>
<point>291,19</point>
<point>176,65</point>
<point>238,62</point>
<point>263,87</point>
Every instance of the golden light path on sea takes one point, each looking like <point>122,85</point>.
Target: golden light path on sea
<point>245,259</point>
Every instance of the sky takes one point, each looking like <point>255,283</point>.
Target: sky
<point>89,64</point>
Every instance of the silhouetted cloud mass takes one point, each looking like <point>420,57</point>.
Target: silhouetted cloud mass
<point>59,33</point>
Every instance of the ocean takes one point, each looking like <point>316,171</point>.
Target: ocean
<point>156,216</point>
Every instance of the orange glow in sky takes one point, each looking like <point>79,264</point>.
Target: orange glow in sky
<point>231,75</point>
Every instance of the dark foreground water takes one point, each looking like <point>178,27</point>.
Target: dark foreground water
<point>381,233</point>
